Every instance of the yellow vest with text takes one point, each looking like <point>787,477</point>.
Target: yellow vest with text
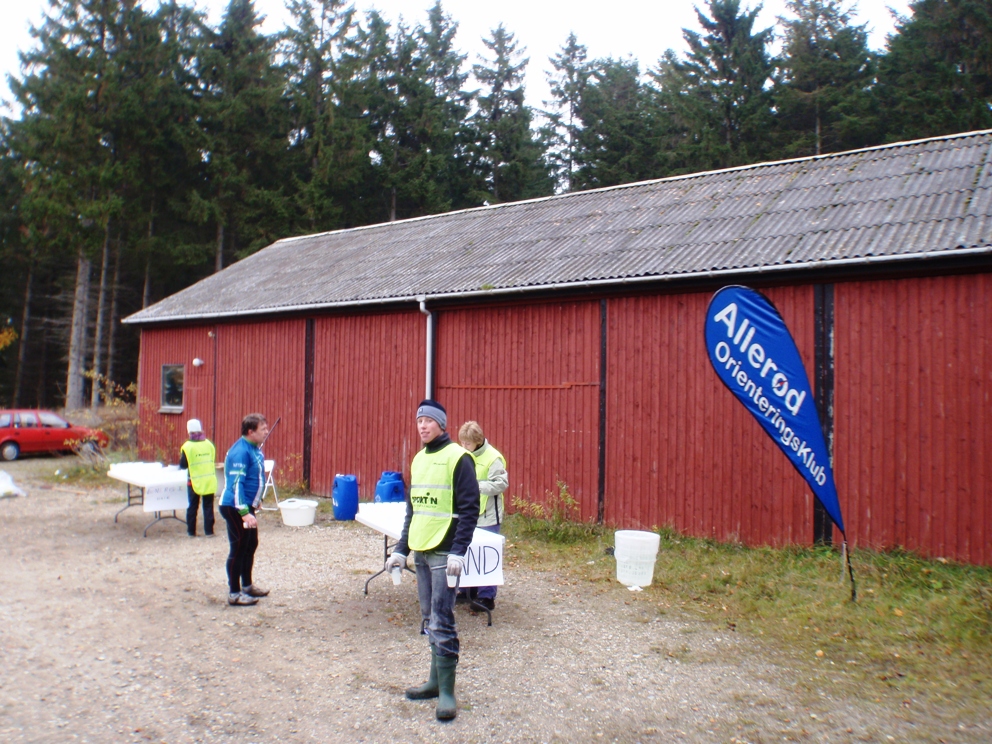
<point>482,464</point>
<point>432,479</point>
<point>202,471</point>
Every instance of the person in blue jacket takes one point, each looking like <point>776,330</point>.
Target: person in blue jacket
<point>244,472</point>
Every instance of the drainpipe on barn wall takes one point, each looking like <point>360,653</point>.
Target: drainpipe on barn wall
<point>430,347</point>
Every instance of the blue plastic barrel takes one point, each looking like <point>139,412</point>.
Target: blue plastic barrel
<point>389,487</point>
<point>345,497</point>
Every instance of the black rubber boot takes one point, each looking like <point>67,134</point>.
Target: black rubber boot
<point>429,689</point>
<point>447,708</point>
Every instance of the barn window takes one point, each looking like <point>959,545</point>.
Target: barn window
<point>172,388</point>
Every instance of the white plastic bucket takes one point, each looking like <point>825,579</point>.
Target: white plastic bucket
<point>298,512</point>
<point>635,552</point>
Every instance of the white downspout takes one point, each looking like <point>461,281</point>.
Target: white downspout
<point>430,344</point>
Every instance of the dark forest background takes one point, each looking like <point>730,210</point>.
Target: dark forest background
<point>153,149</point>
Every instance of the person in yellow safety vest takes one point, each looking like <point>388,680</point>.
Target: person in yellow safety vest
<point>198,455</point>
<point>490,470</point>
<point>442,508</point>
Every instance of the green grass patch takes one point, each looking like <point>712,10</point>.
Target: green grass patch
<point>918,627</point>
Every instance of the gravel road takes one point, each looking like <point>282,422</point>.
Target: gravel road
<point>108,636</point>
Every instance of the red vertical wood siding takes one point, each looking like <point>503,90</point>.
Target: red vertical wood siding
<point>681,449</point>
<point>369,376</point>
<point>530,376</point>
<point>160,435</point>
<point>913,414</point>
<point>260,370</point>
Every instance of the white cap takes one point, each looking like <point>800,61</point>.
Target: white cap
<point>193,426</point>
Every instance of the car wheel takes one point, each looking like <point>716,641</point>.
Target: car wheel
<point>9,451</point>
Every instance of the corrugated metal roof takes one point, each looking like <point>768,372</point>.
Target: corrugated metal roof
<point>896,202</point>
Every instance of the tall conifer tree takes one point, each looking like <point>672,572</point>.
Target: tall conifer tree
<point>937,76</point>
<point>825,69</point>
<point>717,93</point>
<point>567,84</point>
<point>509,160</point>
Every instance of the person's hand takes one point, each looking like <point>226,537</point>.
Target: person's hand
<point>456,564</point>
<point>396,560</point>
<point>249,521</point>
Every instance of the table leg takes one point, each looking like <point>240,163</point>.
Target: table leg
<point>385,556</point>
<point>140,500</point>
<point>159,518</point>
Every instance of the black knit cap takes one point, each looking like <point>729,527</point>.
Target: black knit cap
<point>433,409</point>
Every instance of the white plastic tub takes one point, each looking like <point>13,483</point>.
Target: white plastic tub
<point>298,512</point>
<point>635,552</point>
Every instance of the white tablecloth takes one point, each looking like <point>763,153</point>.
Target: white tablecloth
<point>484,560</point>
<point>164,488</point>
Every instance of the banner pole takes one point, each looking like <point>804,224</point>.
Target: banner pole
<point>845,555</point>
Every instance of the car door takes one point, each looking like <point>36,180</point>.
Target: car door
<point>7,429</point>
<point>55,431</point>
<point>28,435</point>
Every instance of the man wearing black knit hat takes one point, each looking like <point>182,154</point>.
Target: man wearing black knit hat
<point>442,508</point>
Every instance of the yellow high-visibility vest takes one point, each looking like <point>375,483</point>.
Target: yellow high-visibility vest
<point>482,464</point>
<point>202,471</point>
<point>432,480</point>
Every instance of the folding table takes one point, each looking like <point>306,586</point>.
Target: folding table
<point>158,489</point>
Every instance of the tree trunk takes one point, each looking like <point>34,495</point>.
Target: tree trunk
<point>101,302</point>
<point>77,336</point>
<point>42,368</point>
<point>23,344</point>
<point>112,330</point>
<point>219,262</point>
<point>392,204</point>
<point>817,126</point>
<point>146,292</point>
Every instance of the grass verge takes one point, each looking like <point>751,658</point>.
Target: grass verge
<point>920,628</point>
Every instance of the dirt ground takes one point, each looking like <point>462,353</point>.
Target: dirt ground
<point>108,636</point>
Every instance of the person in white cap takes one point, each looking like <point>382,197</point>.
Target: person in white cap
<point>197,458</point>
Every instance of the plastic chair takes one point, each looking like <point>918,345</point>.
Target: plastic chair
<point>270,466</point>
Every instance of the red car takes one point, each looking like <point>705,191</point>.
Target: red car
<point>42,431</point>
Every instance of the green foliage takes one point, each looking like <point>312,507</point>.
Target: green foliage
<point>507,158</point>
<point>160,148</point>
<point>717,95</point>
<point>554,519</point>
<point>825,72</point>
<point>616,143</point>
<point>937,76</point>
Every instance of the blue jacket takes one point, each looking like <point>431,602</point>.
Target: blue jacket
<point>244,471</point>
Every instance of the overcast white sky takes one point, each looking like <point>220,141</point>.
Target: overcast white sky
<point>643,29</point>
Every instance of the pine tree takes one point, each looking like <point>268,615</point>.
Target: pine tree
<point>245,120</point>
<point>445,130</point>
<point>326,164</point>
<point>567,84</point>
<point>825,69</point>
<point>616,143</point>
<point>717,93</point>
<point>509,160</point>
<point>71,99</point>
<point>937,75</point>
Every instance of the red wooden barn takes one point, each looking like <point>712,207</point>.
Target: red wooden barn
<point>571,327</point>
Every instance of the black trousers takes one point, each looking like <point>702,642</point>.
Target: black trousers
<point>243,544</point>
<point>194,507</point>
